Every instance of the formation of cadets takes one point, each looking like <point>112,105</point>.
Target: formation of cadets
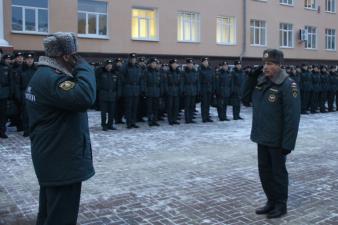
<point>130,90</point>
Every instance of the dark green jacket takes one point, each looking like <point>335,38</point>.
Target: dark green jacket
<point>173,83</point>
<point>324,82</point>
<point>223,83</point>
<point>276,110</point>
<point>335,75</point>
<point>237,77</point>
<point>133,83</point>
<point>58,121</point>
<point>5,81</point>
<point>316,82</point>
<point>109,85</point>
<point>25,77</point>
<point>306,81</point>
<point>153,81</point>
<point>191,84</point>
<point>207,79</point>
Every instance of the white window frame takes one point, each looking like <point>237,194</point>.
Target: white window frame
<point>198,25</point>
<point>282,31</point>
<point>287,2</point>
<point>23,11</point>
<point>157,38</point>
<point>261,29</point>
<point>310,4</point>
<point>97,25</point>
<point>329,38</point>
<point>311,35</point>
<point>226,26</point>
<point>330,6</point>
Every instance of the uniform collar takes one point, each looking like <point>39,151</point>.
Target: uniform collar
<point>50,62</point>
<point>278,79</point>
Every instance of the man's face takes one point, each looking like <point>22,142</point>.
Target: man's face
<point>153,65</point>
<point>205,63</point>
<point>239,66</point>
<point>133,61</point>
<point>271,69</point>
<point>29,61</point>
<point>8,61</point>
<point>119,64</point>
<point>19,59</point>
<point>305,67</point>
<point>109,67</point>
<point>225,67</point>
<point>174,66</point>
<point>190,66</point>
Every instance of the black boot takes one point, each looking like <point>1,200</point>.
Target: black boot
<point>269,206</point>
<point>277,212</point>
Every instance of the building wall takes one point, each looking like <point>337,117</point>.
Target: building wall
<point>63,17</point>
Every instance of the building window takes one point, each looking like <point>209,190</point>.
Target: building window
<point>30,16</point>
<point>330,39</point>
<point>226,30</point>
<point>188,27</point>
<point>258,33</point>
<point>310,4</point>
<point>92,18</point>
<point>286,2</point>
<point>330,6</point>
<point>144,25</point>
<point>311,42</point>
<point>286,35</point>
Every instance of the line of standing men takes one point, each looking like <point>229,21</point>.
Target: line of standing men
<point>126,89</point>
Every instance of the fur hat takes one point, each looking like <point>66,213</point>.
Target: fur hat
<point>60,43</point>
<point>273,55</point>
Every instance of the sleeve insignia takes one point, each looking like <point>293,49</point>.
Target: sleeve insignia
<point>67,85</point>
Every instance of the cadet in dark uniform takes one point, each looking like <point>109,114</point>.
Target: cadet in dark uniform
<point>223,85</point>
<point>325,86</point>
<point>173,89</point>
<point>57,98</point>
<point>153,85</point>
<point>190,90</point>
<point>334,71</point>
<point>236,87</point>
<point>5,93</point>
<point>332,89</point>
<point>133,85</point>
<point>207,89</point>
<point>276,115</point>
<point>142,110</point>
<point>306,86</point>
<point>109,89</point>
<point>28,70</point>
<point>120,104</point>
<point>316,83</point>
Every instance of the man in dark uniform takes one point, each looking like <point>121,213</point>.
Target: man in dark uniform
<point>276,115</point>
<point>173,89</point>
<point>153,85</point>
<point>5,93</point>
<point>120,104</point>
<point>316,83</point>
<point>133,85</point>
<point>58,96</point>
<point>223,85</point>
<point>28,70</point>
<point>325,86</point>
<point>306,86</point>
<point>190,90</point>
<point>109,89</point>
<point>332,89</point>
<point>142,110</point>
<point>236,87</point>
<point>207,88</point>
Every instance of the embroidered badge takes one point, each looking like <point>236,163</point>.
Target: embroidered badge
<point>294,90</point>
<point>67,85</point>
<point>272,98</point>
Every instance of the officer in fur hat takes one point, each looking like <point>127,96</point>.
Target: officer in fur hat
<point>276,114</point>
<point>57,98</point>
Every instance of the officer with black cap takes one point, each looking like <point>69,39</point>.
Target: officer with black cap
<point>109,88</point>
<point>142,111</point>
<point>133,85</point>
<point>276,115</point>
<point>223,86</point>
<point>325,87</point>
<point>306,85</point>
<point>120,104</point>
<point>316,90</point>
<point>236,87</point>
<point>332,88</point>
<point>191,87</point>
<point>207,88</point>
<point>5,92</point>
<point>153,85</point>
<point>28,70</point>
<point>173,90</point>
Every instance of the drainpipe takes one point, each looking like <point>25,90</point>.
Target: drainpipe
<point>244,30</point>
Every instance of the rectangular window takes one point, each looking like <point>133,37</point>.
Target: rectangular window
<point>258,33</point>
<point>144,25</point>
<point>286,35</point>
<point>286,2</point>
<point>330,39</point>
<point>310,4</point>
<point>226,30</point>
<point>188,27</point>
<point>311,42</point>
<point>330,6</point>
<point>30,16</point>
<point>92,18</point>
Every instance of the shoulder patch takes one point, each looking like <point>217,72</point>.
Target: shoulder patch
<point>67,85</point>
<point>294,89</point>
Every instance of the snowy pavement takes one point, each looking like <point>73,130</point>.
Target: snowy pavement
<point>204,173</point>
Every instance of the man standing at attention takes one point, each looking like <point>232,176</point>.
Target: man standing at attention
<point>57,97</point>
<point>276,114</point>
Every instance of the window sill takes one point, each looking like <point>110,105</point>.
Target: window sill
<point>226,44</point>
<point>189,42</point>
<point>30,33</point>
<point>146,40</point>
<point>286,47</point>
<point>311,9</point>
<point>84,36</point>
<point>331,50</point>
<point>329,12</point>
<point>288,5</point>
<point>311,49</point>
<point>259,46</point>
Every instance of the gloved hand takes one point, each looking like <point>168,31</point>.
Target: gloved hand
<point>285,151</point>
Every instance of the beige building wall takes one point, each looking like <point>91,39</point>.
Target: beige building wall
<point>63,17</point>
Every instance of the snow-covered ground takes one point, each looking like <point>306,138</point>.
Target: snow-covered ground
<point>204,173</point>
